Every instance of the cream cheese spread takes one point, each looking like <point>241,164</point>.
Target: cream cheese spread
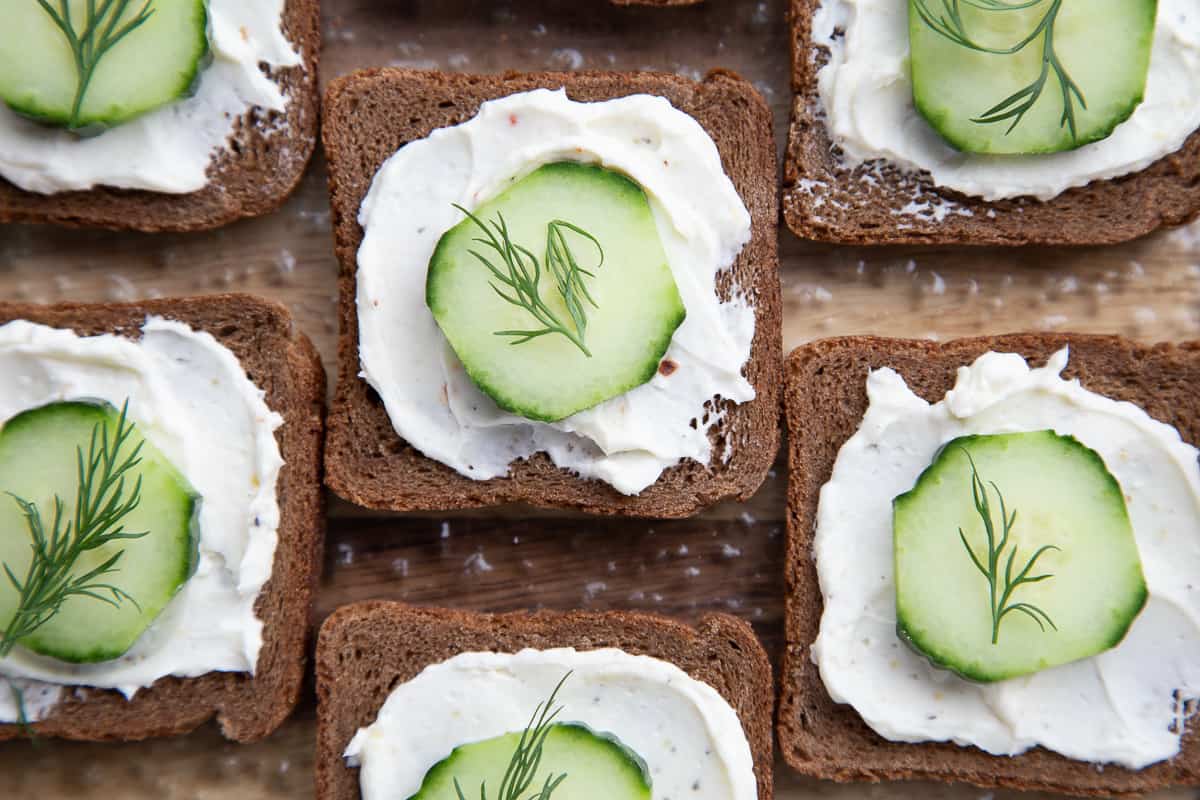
<point>167,150</point>
<point>626,441</point>
<point>1125,706</point>
<point>686,733</point>
<point>189,396</point>
<point>866,95</point>
<point>27,701</point>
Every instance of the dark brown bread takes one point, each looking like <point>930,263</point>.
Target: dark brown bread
<point>365,650</point>
<point>368,116</point>
<point>283,363</point>
<point>263,165</point>
<point>826,399</point>
<point>825,201</point>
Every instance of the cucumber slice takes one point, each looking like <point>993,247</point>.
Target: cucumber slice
<point>1102,45</point>
<point>637,304</point>
<point>38,451</point>
<point>1063,497</point>
<point>155,63</point>
<point>597,766</point>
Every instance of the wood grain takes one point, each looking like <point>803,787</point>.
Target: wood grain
<point>730,557</point>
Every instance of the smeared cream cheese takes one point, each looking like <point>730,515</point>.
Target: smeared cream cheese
<point>190,397</point>
<point>27,701</point>
<point>686,733</point>
<point>866,95</point>
<point>1124,706</point>
<point>169,149</point>
<point>629,440</point>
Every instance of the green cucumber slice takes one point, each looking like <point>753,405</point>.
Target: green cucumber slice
<point>1063,497</point>
<point>597,766</point>
<point>1103,46</point>
<point>637,304</point>
<point>152,65</point>
<point>38,451</point>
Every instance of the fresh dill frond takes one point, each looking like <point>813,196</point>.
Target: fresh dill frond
<point>527,757</point>
<point>1002,586</point>
<point>521,274</point>
<point>102,31</point>
<point>949,23</point>
<point>23,723</point>
<point>102,502</point>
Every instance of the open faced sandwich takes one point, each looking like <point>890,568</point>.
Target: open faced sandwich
<point>1005,122</point>
<point>438,704</point>
<point>559,289</point>
<point>993,550</point>
<point>155,114</point>
<point>160,517</point>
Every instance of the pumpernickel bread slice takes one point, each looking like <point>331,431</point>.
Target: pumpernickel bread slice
<point>825,400</point>
<point>262,165</point>
<point>824,200</point>
<point>365,650</point>
<point>283,363</point>
<point>368,116</point>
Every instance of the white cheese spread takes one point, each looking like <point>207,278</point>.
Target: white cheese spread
<point>686,733</point>
<point>167,150</point>
<point>1124,706</point>
<point>866,95</point>
<point>629,440</point>
<point>27,701</point>
<point>191,398</point>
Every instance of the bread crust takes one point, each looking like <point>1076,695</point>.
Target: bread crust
<point>253,177</point>
<point>368,116</point>
<point>364,650</point>
<point>825,402</point>
<point>825,201</point>
<point>286,366</point>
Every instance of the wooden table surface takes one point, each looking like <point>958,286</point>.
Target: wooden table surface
<point>727,559</point>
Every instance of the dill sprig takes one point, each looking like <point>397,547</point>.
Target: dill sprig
<point>101,32</point>
<point>101,503</point>
<point>23,724</point>
<point>522,273</point>
<point>949,23</point>
<point>527,757</point>
<point>1001,588</point>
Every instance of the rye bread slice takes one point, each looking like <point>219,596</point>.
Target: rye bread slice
<point>262,165</point>
<point>283,363</point>
<point>875,203</point>
<point>826,399</point>
<point>366,649</point>
<point>368,116</point>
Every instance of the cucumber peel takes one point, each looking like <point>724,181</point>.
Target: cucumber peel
<point>42,454</point>
<point>1004,77</point>
<point>1061,541</point>
<point>626,304</point>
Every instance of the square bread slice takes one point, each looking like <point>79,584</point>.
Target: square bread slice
<point>260,168</point>
<point>368,116</point>
<point>366,649</point>
<point>825,201</point>
<point>283,363</point>
<point>826,399</point>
